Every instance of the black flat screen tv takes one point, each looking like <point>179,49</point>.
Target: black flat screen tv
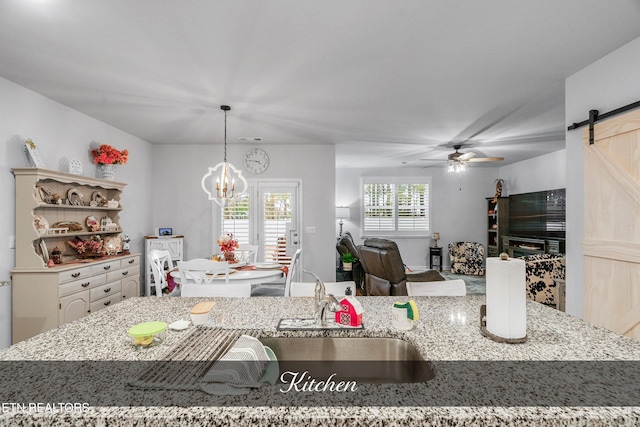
<point>538,214</point>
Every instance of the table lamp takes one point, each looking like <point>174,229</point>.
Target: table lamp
<point>436,237</point>
<point>342,212</point>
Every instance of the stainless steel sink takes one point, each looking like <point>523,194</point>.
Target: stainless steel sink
<point>364,360</point>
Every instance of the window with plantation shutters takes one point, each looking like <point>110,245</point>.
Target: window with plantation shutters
<point>396,206</point>
<point>236,218</point>
<point>277,215</point>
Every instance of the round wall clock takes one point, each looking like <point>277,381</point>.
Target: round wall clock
<point>256,161</point>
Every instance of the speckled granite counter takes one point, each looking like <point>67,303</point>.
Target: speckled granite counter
<point>447,331</point>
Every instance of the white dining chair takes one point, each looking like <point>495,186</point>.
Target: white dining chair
<point>248,253</point>
<point>307,289</point>
<point>455,288</point>
<point>201,278</point>
<point>161,264</point>
<point>293,265</point>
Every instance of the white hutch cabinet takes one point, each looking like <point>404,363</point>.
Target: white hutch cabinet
<point>46,297</point>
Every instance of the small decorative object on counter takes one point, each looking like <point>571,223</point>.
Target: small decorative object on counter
<point>56,255</point>
<point>50,263</point>
<point>403,315</point>
<point>351,310</point>
<point>148,334</point>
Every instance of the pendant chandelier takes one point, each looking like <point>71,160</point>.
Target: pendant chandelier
<point>225,189</point>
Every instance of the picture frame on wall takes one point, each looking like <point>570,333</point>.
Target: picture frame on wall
<point>33,155</point>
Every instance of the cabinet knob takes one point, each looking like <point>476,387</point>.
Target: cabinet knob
<point>75,274</point>
<point>84,285</point>
<point>107,302</point>
<point>106,267</point>
<point>107,290</point>
<point>131,261</point>
<point>124,273</point>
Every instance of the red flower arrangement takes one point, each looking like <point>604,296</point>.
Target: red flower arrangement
<point>107,155</point>
<point>227,243</point>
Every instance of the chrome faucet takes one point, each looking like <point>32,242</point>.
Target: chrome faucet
<point>322,302</point>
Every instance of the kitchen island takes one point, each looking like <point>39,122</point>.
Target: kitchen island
<point>446,334</point>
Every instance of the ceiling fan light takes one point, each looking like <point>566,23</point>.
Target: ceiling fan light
<point>455,166</point>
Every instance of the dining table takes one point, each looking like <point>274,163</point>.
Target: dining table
<point>247,275</point>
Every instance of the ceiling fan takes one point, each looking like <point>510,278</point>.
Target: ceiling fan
<point>456,160</point>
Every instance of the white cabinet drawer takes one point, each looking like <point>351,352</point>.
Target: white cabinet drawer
<point>123,273</point>
<point>105,290</point>
<point>76,273</point>
<point>130,262</point>
<point>105,302</point>
<point>81,285</point>
<point>105,267</point>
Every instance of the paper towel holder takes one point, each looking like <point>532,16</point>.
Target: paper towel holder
<point>486,333</point>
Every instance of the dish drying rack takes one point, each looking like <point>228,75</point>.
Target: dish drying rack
<point>184,366</point>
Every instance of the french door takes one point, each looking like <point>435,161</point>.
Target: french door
<point>267,216</point>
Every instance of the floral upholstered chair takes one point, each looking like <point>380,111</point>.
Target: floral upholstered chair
<point>467,258</point>
<point>542,271</point>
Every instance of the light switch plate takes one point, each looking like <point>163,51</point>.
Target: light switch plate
<point>12,242</point>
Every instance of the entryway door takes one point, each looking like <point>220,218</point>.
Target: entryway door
<point>611,245</point>
<point>268,215</point>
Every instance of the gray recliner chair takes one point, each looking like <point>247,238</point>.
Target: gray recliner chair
<point>384,272</point>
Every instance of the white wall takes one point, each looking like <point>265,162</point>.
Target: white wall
<point>605,85</point>
<point>60,132</point>
<point>458,211</point>
<point>546,172</point>
<point>182,204</point>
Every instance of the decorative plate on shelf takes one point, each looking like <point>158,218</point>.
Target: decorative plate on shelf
<point>113,245</point>
<point>45,194</point>
<point>98,198</point>
<point>40,223</point>
<point>75,197</point>
<point>44,251</point>
<point>93,224</point>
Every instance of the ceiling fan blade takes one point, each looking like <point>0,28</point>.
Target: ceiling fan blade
<point>466,156</point>
<point>486,159</point>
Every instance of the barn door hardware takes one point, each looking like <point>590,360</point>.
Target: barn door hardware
<point>594,117</point>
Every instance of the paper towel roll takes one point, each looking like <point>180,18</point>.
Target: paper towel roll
<point>506,298</point>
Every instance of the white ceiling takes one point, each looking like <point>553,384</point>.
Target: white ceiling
<point>387,81</point>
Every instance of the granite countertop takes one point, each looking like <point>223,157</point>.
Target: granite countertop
<point>446,334</point>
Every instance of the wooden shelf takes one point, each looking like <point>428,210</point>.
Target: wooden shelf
<point>72,207</point>
<point>78,233</point>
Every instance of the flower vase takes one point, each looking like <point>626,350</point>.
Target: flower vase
<point>229,256</point>
<point>108,172</point>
